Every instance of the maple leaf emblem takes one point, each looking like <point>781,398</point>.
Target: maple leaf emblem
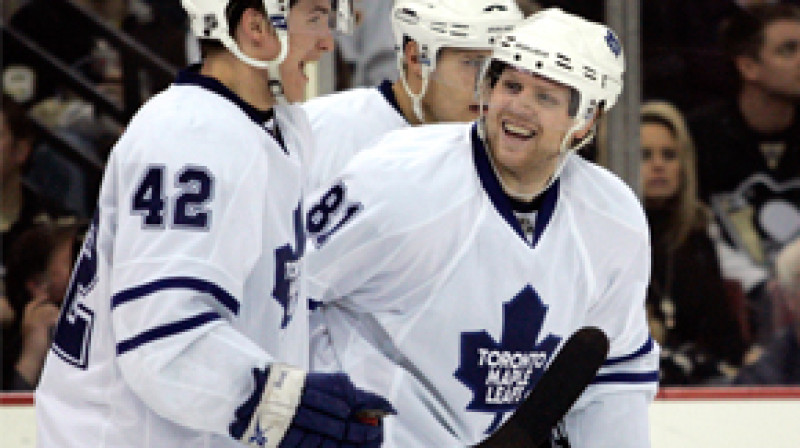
<point>501,374</point>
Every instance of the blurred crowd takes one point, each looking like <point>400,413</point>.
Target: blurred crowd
<point>720,171</point>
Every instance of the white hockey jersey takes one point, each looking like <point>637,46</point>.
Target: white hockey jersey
<point>433,297</point>
<point>187,280</point>
<point>345,123</point>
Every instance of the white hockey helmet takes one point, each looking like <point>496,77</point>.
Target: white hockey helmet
<point>434,24</point>
<point>572,51</point>
<point>209,20</point>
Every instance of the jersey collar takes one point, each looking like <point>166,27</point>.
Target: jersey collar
<point>191,76</point>
<point>502,203</point>
<point>385,88</point>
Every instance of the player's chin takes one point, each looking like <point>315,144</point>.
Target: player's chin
<point>294,87</point>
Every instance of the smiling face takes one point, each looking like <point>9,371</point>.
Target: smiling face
<point>451,90</point>
<point>526,122</point>
<point>309,37</point>
<point>661,166</point>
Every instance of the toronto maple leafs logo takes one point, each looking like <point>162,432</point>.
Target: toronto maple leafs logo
<point>501,374</point>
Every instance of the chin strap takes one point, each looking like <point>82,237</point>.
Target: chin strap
<point>273,66</point>
<point>563,154</point>
<point>416,98</point>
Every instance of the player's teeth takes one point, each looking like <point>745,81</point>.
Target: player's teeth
<point>517,130</point>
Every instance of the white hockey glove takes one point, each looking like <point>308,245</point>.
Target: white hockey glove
<point>293,409</point>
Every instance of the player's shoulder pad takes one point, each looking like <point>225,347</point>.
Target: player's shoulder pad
<point>603,193</point>
<point>185,123</point>
<point>415,172</point>
<point>339,104</point>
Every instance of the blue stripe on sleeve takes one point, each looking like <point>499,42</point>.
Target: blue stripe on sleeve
<point>166,331</point>
<point>644,349</point>
<point>196,284</point>
<point>629,377</point>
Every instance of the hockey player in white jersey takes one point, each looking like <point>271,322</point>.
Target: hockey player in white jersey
<point>452,261</point>
<point>440,45</point>
<point>182,325</point>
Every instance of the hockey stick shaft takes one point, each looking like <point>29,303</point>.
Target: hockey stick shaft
<point>572,370</point>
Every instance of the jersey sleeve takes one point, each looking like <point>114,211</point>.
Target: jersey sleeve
<point>180,262</point>
<point>352,240</point>
<point>618,420</point>
<point>627,382</point>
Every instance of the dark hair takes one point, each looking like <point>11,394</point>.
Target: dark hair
<point>743,33</point>
<point>233,14</point>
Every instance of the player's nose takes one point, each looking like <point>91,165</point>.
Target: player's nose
<point>325,41</point>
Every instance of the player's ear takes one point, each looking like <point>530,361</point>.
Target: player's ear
<point>255,35</point>
<point>411,59</point>
<point>581,133</point>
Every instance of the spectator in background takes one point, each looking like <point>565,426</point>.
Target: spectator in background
<point>749,146</point>
<point>22,206</point>
<point>39,266</point>
<point>780,362</point>
<point>688,308</point>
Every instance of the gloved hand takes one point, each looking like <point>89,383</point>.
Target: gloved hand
<point>335,413</point>
<point>292,409</point>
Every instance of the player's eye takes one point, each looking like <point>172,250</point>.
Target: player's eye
<point>547,98</point>
<point>512,86</point>
<point>647,154</point>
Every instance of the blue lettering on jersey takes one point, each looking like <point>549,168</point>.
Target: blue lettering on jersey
<point>74,330</point>
<point>287,270</point>
<point>330,213</point>
<point>502,374</point>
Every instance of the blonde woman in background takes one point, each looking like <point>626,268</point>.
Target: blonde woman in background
<point>687,305</point>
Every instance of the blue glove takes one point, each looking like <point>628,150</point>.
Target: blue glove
<point>331,415</point>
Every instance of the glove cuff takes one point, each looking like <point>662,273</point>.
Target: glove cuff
<point>278,405</point>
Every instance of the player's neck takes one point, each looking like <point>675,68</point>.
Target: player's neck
<point>765,112</point>
<point>405,103</point>
<point>523,187</point>
<point>247,82</point>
